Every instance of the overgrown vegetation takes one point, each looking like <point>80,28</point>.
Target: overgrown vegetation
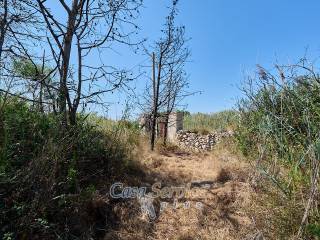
<point>201,122</point>
<point>53,157</point>
<point>279,129</point>
<point>48,182</point>
<point>57,162</point>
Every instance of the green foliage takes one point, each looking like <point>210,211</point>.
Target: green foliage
<point>279,128</point>
<point>47,175</point>
<point>41,76</point>
<point>314,230</point>
<point>8,236</point>
<point>72,177</point>
<point>125,131</point>
<point>27,69</point>
<point>284,121</point>
<point>88,192</point>
<point>25,132</point>
<point>201,122</point>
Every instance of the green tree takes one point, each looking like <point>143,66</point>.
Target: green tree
<point>40,83</point>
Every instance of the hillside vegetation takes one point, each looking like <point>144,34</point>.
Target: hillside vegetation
<point>67,173</point>
<point>48,182</point>
<point>202,122</point>
<point>279,131</point>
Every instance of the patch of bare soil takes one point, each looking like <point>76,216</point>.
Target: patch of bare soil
<point>212,208</point>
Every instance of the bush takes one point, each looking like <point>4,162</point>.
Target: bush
<point>24,134</point>
<point>279,127</point>
<point>49,180</point>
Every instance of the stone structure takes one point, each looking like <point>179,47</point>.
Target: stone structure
<point>175,124</point>
<point>188,140</point>
<point>198,142</point>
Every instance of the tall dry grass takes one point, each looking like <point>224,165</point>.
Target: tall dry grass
<point>201,122</point>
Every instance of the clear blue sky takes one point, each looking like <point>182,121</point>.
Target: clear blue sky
<point>228,37</point>
<point>232,36</point>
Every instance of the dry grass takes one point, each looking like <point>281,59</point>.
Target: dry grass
<point>275,215</point>
<point>222,214</point>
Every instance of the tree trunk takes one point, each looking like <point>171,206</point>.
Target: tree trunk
<point>73,116</point>
<point>155,106</point>
<point>3,26</point>
<point>63,90</point>
<point>156,87</point>
<point>2,132</point>
<point>3,23</point>
<point>166,124</point>
<point>41,98</point>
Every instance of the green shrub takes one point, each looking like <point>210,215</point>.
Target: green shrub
<point>24,133</point>
<point>47,176</point>
<point>279,127</point>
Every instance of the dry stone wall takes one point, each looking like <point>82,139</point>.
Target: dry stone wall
<point>198,142</point>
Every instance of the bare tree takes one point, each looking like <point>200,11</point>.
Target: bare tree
<point>90,27</point>
<point>17,23</point>
<point>175,92</point>
<point>169,56</point>
<point>19,32</point>
<point>176,82</point>
<point>3,23</point>
<point>18,20</point>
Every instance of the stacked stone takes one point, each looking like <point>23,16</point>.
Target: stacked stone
<point>223,134</point>
<point>198,142</point>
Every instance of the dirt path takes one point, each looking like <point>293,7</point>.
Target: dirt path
<point>213,207</point>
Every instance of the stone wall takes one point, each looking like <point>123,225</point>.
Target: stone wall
<point>198,142</point>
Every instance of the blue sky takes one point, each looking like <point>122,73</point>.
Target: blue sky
<point>228,38</point>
